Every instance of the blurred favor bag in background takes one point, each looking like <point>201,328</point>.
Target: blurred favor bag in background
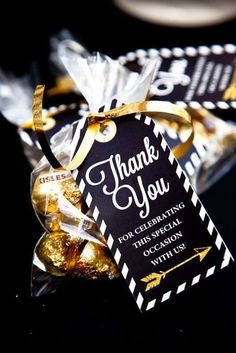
<point>202,80</point>
<point>63,102</point>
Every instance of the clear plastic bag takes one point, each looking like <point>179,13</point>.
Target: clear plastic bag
<point>60,43</point>
<point>73,245</point>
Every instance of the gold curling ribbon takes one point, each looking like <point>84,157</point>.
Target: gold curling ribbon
<point>96,122</point>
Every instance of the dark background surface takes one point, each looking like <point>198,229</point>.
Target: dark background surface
<point>102,314</point>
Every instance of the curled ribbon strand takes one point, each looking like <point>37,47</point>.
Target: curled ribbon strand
<point>154,109</point>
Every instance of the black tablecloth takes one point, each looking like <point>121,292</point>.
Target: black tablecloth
<point>103,314</point>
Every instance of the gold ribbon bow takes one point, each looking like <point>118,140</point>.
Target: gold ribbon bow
<point>97,122</point>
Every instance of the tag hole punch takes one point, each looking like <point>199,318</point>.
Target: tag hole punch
<point>107,131</point>
<point>49,123</point>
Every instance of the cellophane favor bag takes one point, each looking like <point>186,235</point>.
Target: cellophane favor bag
<point>72,245</point>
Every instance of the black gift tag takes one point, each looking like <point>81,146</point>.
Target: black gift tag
<point>194,76</point>
<point>156,227</point>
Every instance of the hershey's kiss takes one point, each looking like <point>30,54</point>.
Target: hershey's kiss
<point>48,187</point>
<point>65,255</point>
<point>59,252</point>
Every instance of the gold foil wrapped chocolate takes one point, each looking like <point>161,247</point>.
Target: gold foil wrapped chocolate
<point>48,187</point>
<point>95,262</point>
<point>58,252</point>
<point>62,255</point>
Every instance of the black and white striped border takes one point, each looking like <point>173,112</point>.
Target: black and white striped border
<point>142,55</point>
<point>227,258</point>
